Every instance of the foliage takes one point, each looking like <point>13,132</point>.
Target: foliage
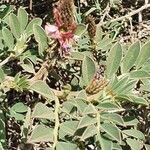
<point>94,99</point>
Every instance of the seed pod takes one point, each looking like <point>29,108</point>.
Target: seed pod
<point>64,15</point>
<point>98,83</point>
<point>91,26</point>
<point>96,86</point>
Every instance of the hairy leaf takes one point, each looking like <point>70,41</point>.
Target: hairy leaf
<point>41,133</point>
<point>42,111</point>
<point>131,56</point>
<point>144,55</point>
<point>23,18</point>
<point>15,26</point>
<point>113,60</point>
<point>88,69</point>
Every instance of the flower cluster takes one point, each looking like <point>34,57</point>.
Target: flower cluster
<point>65,38</point>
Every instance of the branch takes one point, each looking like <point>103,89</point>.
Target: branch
<point>56,128</point>
<point>126,16</point>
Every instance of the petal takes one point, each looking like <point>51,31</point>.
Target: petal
<point>50,28</point>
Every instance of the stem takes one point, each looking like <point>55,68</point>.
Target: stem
<point>56,128</point>
<point>6,60</point>
<point>126,16</point>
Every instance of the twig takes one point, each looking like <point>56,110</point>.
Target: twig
<point>106,11</point>
<point>30,6</point>
<point>6,60</point>
<point>43,71</point>
<point>126,16</point>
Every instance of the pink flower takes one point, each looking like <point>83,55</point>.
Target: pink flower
<point>52,31</point>
<point>64,38</point>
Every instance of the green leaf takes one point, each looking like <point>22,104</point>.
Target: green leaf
<point>41,133</point>
<point>68,128</point>
<point>8,37</point>
<point>90,109</point>
<point>81,28</point>
<point>113,60</point>
<point>139,74</point>
<point>82,95</point>
<point>15,26</point>
<point>77,55</point>
<point>42,111</point>
<point>39,33</point>
<point>105,143</point>
<point>16,115</point>
<point>146,67</point>
<point>108,106</point>
<point>80,104</point>
<point>134,133</point>
<point>99,34</point>
<point>42,88</point>
<point>1,146</point>
<point>134,144</point>
<point>27,120</point>
<point>104,43</point>
<point>23,18</point>
<point>86,121</point>
<point>28,67</point>
<point>138,100</point>
<point>130,121</point>
<point>112,131</point>
<point>29,28</point>
<point>68,106</point>
<point>127,88</point>
<point>19,108</point>
<point>6,10</point>
<point>40,37</point>
<point>116,146</point>
<point>121,82</point>
<point>113,117</point>
<point>90,131</point>
<point>88,69</point>
<point>131,56</point>
<point>66,146</point>
<point>144,55</point>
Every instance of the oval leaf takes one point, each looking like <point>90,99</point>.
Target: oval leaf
<point>23,18</point>
<point>112,131</point>
<point>88,69</point>
<point>68,128</point>
<point>42,111</point>
<point>105,143</point>
<point>113,60</point>
<point>81,28</point>
<point>8,37</point>
<point>86,121</point>
<point>15,26</point>
<point>134,144</point>
<point>117,119</point>
<point>131,56</point>
<point>29,29</point>
<point>43,89</point>
<point>134,133</point>
<point>90,131</point>
<point>139,74</point>
<point>41,133</point>
<point>144,55</point>
<point>66,146</point>
<point>20,108</point>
